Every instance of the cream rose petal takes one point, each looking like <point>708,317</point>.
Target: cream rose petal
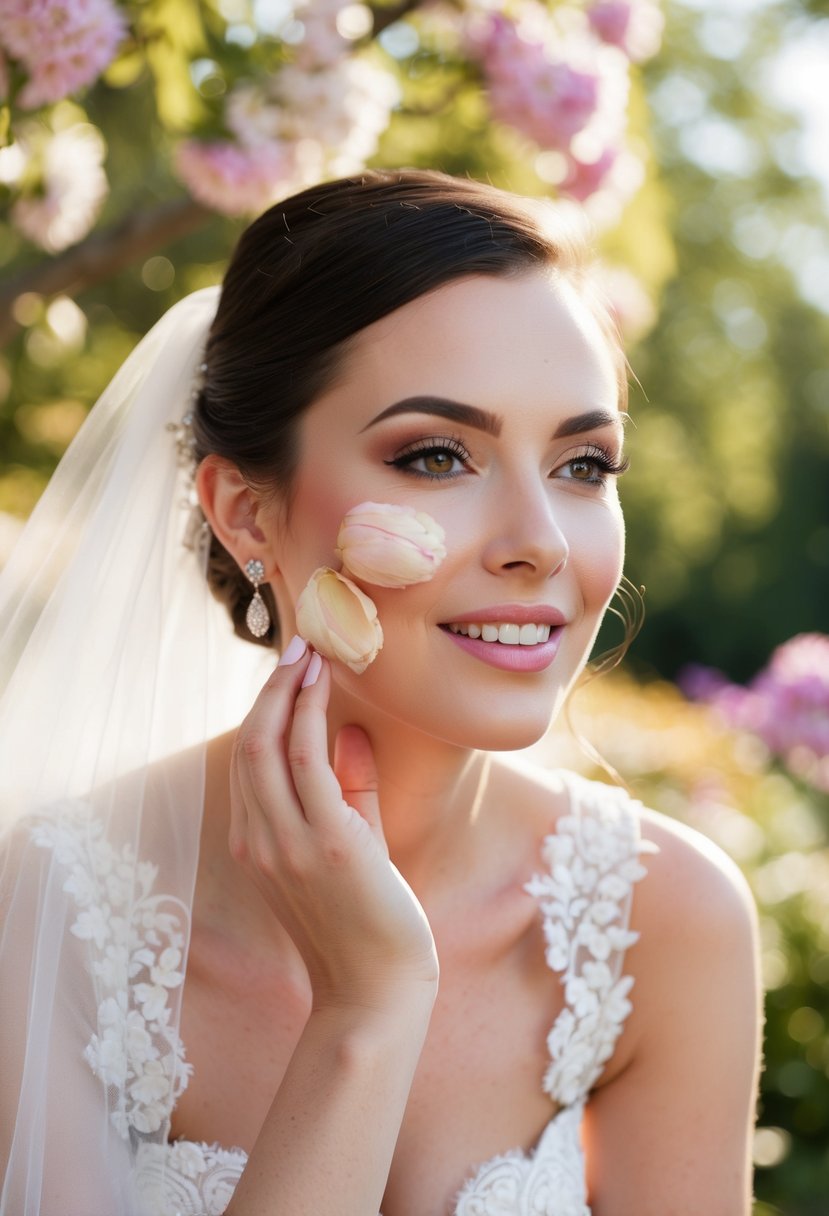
<point>339,620</point>
<point>390,545</point>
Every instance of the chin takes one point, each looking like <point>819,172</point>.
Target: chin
<point>505,725</point>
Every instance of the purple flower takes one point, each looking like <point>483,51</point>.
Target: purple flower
<point>786,705</point>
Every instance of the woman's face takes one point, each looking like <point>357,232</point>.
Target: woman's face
<point>491,404</point>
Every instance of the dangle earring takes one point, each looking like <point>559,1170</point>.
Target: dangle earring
<point>257,617</point>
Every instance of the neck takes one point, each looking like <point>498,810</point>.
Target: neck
<point>430,792</point>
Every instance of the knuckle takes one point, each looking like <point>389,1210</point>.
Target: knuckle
<point>334,854</point>
<point>262,857</point>
<point>300,755</point>
<point>251,743</point>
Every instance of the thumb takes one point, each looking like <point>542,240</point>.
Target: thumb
<point>356,772</point>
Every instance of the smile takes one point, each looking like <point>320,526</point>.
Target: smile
<point>505,632</point>
<point>509,650</point>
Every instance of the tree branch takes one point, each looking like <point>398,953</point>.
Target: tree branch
<point>101,255</point>
<point>387,15</point>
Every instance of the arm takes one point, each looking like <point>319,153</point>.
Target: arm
<point>311,839</point>
<point>327,1142</point>
<point>671,1134</point>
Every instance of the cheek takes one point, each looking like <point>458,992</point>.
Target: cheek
<point>308,538</point>
<point>598,552</point>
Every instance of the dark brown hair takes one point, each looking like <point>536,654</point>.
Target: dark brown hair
<point>317,268</point>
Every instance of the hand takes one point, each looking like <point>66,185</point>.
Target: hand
<point>311,837</point>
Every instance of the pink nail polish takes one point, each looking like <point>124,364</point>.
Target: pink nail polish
<point>314,669</point>
<point>293,652</point>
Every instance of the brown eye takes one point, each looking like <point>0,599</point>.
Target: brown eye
<point>440,459</point>
<point>437,462</point>
<point>583,469</point>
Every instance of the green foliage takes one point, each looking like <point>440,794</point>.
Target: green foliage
<point>728,498</point>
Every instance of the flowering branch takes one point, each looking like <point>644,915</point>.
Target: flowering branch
<point>101,255</point>
<point>256,128</point>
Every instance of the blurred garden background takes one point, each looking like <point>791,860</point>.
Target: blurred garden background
<point>136,138</point>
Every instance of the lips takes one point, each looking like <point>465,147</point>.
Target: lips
<point>514,637</point>
<point>510,614</point>
<point>507,633</point>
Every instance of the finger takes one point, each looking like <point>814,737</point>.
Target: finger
<point>260,776</point>
<point>316,786</point>
<point>237,835</point>
<point>356,772</point>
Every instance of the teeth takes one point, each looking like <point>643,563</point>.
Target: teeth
<point>505,632</point>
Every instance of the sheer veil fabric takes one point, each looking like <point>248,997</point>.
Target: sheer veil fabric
<point>116,665</point>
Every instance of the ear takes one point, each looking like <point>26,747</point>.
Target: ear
<point>232,509</point>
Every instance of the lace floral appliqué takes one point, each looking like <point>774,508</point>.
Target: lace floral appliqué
<point>137,940</point>
<point>186,1178</point>
<point>592,864</point>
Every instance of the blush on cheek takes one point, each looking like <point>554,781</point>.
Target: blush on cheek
<point>314,516</point>
<point>601,567</point>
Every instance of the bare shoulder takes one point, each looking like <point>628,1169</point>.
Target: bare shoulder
<point>693,891</point>
<point>692,910</point>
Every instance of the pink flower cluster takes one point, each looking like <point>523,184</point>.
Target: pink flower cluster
<point>320,114</point>
<point>786,705</point>
<point>229,178</point>
<point>61,45</point>
<point>635,26</point>
<point>560,77</point>
<point>529,89</point>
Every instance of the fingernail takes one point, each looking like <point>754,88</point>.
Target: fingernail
<point>314,668</point>
<point>293,652</point>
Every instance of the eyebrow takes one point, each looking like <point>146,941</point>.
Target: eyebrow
<point>491,424</point>
<point>442,407</point>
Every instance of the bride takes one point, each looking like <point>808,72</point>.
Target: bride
<point>342,958</point>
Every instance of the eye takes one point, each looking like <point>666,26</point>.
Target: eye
<point>439,459</point>
<point>592,467</point>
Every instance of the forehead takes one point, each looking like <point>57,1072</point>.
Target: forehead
<point>494,341</point>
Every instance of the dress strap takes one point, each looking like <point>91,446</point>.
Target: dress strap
<point>585,898</point>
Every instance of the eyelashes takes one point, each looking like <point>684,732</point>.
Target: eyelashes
<point>445,451</point>
<point>601,459</point>
<point>435,448</point>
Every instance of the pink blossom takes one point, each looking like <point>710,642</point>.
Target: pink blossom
<point>232,179</point>
<point>62,45</point>
<point>587,177</point>
<point>72,190</point>
<point>635,26</point>
<point>544,97</point>
<point>332,120</point>
<point>322,45</point>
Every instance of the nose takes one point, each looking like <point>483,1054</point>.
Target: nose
<point>525,535</point>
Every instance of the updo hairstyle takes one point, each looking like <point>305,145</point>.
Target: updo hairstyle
<point>317,268</point>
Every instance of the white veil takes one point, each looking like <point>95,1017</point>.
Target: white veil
<point>113,657</point>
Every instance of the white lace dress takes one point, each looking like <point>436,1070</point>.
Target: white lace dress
<point>137,941</point>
